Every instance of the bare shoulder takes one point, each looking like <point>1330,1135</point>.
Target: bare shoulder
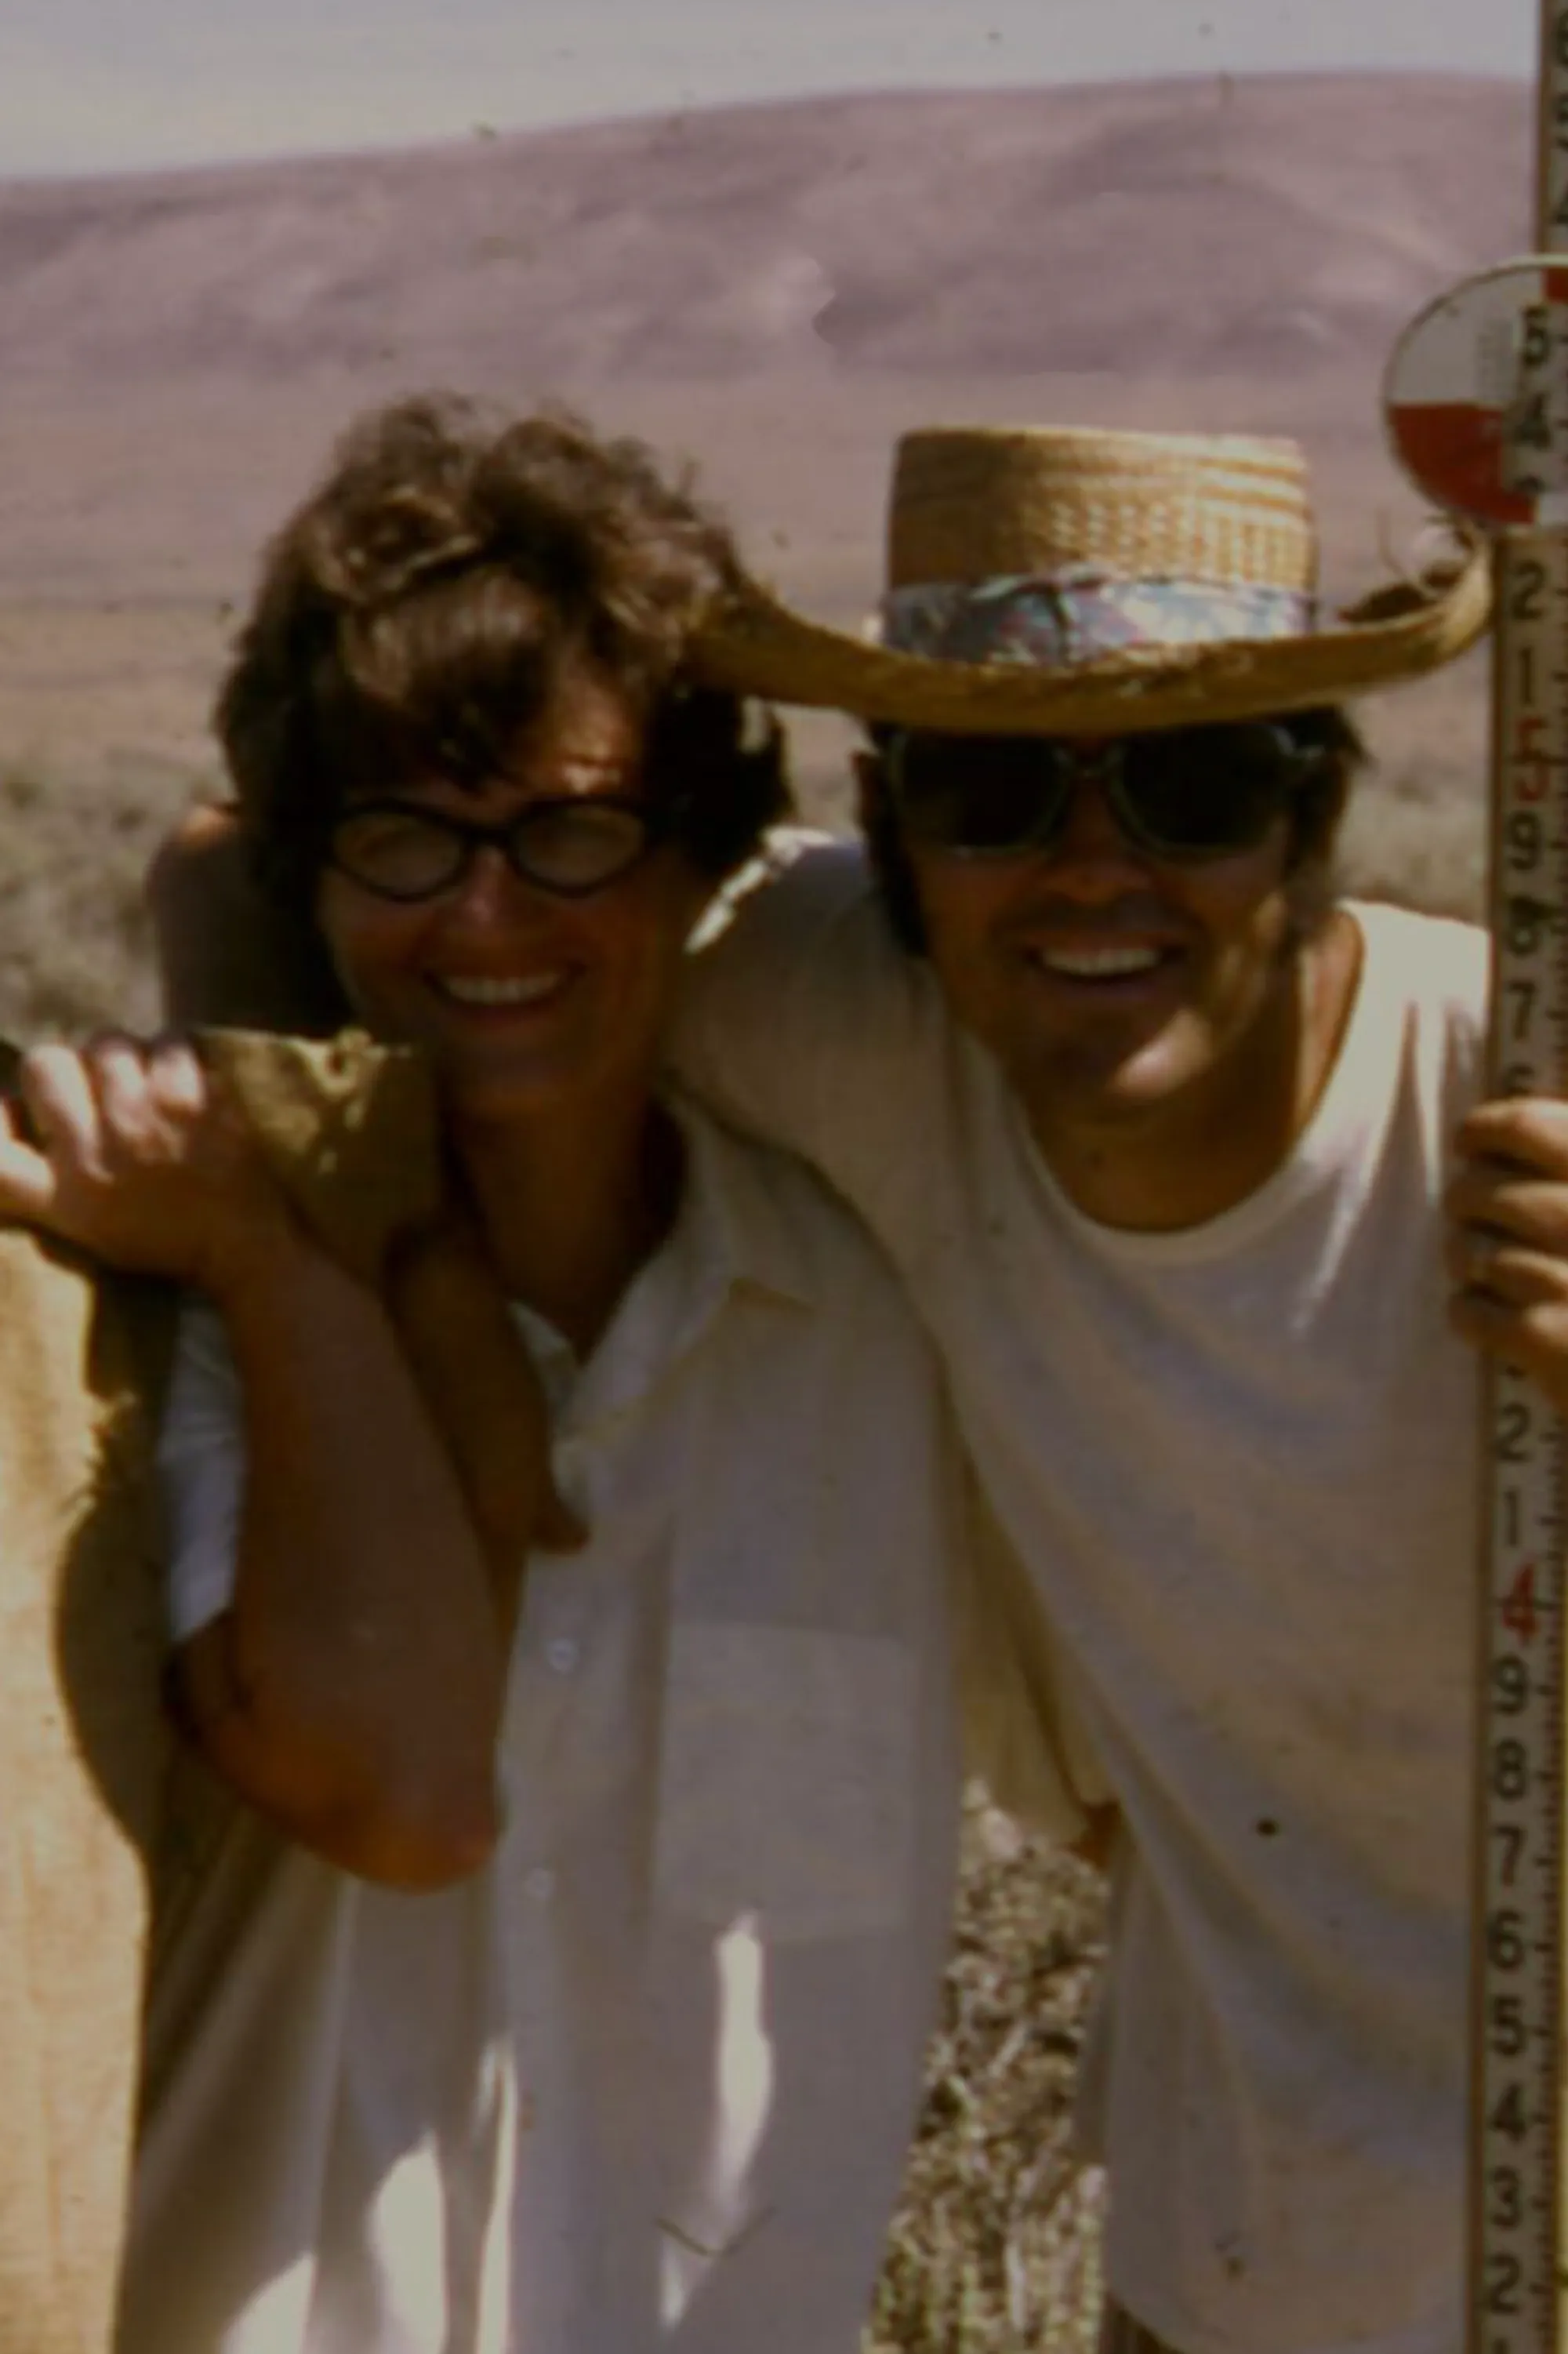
<point>225,951</point>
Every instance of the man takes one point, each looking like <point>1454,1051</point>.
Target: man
<point>1157,1133</point>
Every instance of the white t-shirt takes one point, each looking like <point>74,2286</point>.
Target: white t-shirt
<point>648,2080</point>
<point>1238,1465</point>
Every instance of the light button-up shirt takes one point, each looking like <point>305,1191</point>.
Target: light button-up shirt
<point>648,2080</point>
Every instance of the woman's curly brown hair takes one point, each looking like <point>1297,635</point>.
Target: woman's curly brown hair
<point>414,616</point>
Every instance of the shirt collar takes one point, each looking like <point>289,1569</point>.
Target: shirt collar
<point>742,1226</point>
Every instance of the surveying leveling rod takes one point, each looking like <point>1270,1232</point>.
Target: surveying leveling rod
<point>1477,408</point>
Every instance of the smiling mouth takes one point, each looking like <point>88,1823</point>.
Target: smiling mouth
<point>1098,964</point>
<point>494,990</point>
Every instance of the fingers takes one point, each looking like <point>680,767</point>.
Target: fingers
<point>26,1180</point>
<point>1511,1301</point>
<point>1530,1132</point>
<point>1488,1262</point>
<point>179,1078</point>
<point>156,1075</point>
<point>118,1101</point>
<point>61,1139</point>
<point>1521,1214</point>
<point>55,1085</point>
<point>1512,1179</point>
<point>136,1155</point>
<point>1530,1333</point>
<point>45,1163</point>
<point>1506,1239</point>
<point>129,1118</point>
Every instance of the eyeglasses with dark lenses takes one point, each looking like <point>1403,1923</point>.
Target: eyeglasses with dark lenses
<point>1182,795</point>
<point>568,845</point>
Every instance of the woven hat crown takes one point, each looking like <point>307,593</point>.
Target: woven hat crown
<point>969,505</point>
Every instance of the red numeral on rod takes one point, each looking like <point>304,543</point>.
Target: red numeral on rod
<point>1519,1614</point>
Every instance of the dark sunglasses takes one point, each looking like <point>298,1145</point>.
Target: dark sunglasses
<point>568,845</point>
<point>1184,794</point>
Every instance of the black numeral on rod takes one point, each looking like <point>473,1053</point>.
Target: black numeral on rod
<point>1504,2278</point>
<point>1528,590</point>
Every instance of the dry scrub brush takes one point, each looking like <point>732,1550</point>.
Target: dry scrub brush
<point>74,949</point>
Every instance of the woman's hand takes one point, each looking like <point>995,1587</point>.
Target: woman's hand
<point>136,1155</point>
<point>1507,1237</point>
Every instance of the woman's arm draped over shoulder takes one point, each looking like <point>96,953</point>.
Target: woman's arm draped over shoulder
<point>350,1682</point>
<point>349,1674</point>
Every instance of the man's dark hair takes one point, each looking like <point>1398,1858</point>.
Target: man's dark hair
<point>1317,812</point>
<point>415,617</point>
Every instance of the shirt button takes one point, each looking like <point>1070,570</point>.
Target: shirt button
<point>563,1654</point>
<point>540,1884</point>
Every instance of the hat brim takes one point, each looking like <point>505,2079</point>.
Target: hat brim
<point>756,646</point>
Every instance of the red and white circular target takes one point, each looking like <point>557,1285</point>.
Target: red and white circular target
<point>1476,398</point>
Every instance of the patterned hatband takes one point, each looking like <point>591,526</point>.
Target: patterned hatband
<point>1058,621</point>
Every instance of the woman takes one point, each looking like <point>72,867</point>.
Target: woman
<point>564,1983</point>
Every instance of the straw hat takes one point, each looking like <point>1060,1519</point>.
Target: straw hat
<point>1089,583</point>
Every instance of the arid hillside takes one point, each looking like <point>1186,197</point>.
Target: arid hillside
<point>1169,229</point>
